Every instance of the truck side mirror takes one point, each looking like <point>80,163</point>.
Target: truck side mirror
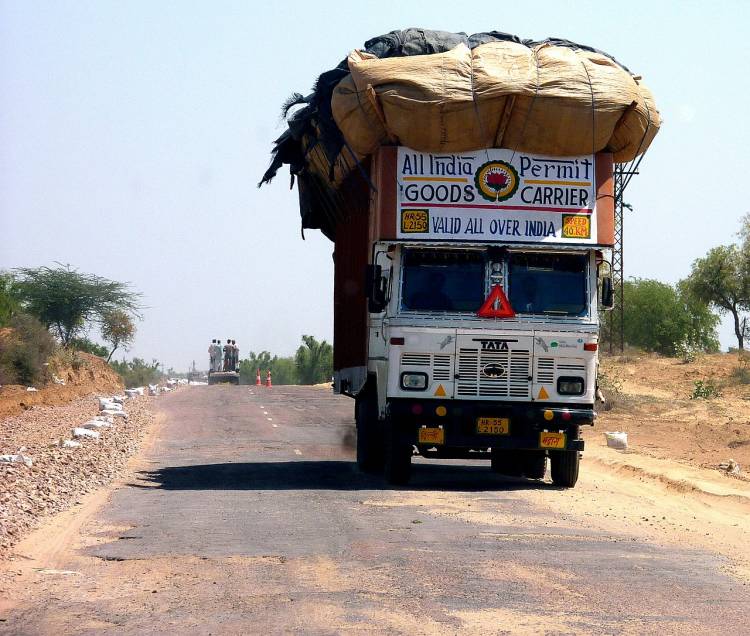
<point>608,293</point>
<point>375,286</point>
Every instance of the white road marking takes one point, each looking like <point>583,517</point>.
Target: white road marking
<point>270,419</point>
<point>275,425</point>
<point>297,451</point>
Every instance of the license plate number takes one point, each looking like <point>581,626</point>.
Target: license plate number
<point>552,440</point>
<point>431,436</point>
<point>493,426</point>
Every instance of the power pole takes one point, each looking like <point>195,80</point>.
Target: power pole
<point>616,332</point>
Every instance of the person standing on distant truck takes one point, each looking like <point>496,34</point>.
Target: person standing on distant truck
<point>217,349</point>
<point>227,355</point>
<point>236,356</point>
<point>212,355</point>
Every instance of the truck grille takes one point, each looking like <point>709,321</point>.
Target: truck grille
<point>439,365</point>
<point>545,370</point>
<point>546,367</point>
<point>514,383</point>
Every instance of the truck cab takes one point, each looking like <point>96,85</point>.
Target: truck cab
<point>476,347</point>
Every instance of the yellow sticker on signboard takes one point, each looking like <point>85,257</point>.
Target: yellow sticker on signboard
<point>415,221</point>
<point>576,226</point>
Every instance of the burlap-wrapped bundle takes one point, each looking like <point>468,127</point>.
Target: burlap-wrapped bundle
<point>436,91</point>
<point>546,99</point>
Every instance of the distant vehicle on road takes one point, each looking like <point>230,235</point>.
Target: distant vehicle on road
<point>223,371</point>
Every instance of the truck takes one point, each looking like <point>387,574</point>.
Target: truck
<point>229,374</point>
<point>467,183</point>
<point>223,377</point>
<point>468,294</point>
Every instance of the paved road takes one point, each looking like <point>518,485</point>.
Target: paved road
<point>248,516</point>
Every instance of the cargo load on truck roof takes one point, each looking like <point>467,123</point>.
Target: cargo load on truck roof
<point>440,92</point>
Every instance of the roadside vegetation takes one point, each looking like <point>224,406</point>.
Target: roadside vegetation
<point>681,320</point>
<point>666,319</point>
<point>47,314</point>
<point>311,364</point>
<point>137,372</point>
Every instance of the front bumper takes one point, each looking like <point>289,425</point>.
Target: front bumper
<point>527,422</point>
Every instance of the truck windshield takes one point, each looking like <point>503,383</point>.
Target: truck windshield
<point>442,280</point>
<point>550,284</point>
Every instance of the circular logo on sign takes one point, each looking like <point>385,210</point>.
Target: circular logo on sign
<point>496,180</point>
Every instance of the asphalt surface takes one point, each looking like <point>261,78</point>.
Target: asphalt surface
<point>248,515</point>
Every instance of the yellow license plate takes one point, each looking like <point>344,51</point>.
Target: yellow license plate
<point>552,440</point>
<point>493,425</point>
<point>431,436</point>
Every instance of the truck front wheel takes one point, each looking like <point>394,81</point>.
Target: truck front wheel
<point>369,440</point>
<point>398,453</point>
<point>564,468</point>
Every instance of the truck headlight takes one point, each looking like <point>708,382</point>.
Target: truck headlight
<point>413,381</point>
<point>570,386</point>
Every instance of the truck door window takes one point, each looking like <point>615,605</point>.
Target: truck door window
<point>549,284</point>
<point>449,280</point>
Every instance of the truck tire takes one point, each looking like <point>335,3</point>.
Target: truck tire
<point>564,468</point>
<point>534,464</point>
<point>397,465</point>
<point>369,437</point>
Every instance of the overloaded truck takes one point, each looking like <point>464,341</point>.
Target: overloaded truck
<point>471,268</point>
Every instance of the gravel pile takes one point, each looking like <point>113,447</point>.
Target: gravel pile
<point>58,475</point>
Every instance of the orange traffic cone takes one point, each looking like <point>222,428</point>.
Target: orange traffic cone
<point>257,379</point>
<point>268,379</point>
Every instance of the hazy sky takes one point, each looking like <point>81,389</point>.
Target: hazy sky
<point>133,134</point>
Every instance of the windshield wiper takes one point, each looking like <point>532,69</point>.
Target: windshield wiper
<point>555,312</point>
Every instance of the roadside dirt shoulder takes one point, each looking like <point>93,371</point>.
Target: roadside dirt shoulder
<point>85,374</point>
<point>58,476</point>
<point>658,402</point>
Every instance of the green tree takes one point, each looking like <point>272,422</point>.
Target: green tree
<point>137,372</point>
<point>722,280</point>
<point>661,317</point>
<point>253,362</point>
<point>88,346</point>
<point>67,301</point>
<point>8,298</point>
<point>283,370</point>
<point>314,361</point>
<point>117,329</point>
<point>24,351</point>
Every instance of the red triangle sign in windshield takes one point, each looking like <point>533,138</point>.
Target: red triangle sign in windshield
<point>496,305</point>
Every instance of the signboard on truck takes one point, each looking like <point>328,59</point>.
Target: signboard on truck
<point>496,195</point>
